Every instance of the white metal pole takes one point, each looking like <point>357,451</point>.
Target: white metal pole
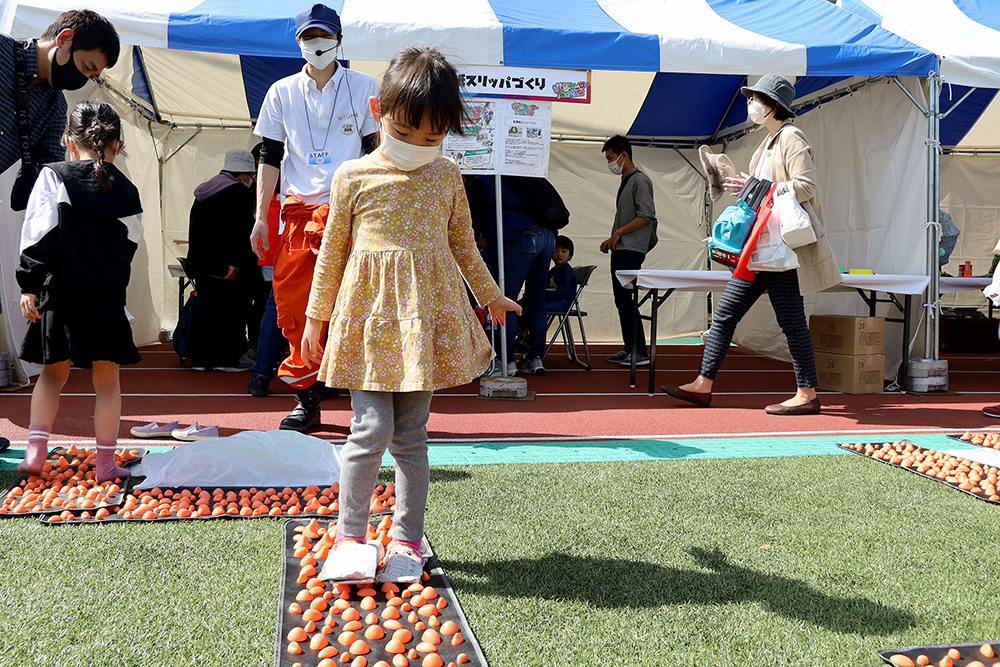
<point>931,331</point>
<point>501,271</point>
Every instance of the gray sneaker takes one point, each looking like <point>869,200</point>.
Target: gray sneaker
<point>533,367</point>
<point>618,357</point>
<point>511,369</point>
<point>640,360</point>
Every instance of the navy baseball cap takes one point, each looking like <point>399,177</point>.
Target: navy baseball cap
<point>317,16</point>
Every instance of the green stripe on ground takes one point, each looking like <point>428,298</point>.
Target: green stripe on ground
<point>472,453</point>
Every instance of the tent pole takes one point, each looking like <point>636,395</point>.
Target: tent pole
<point>501,271</point>
<point>931,331</point>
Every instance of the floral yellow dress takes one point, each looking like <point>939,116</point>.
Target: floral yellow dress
<point>388,279</point>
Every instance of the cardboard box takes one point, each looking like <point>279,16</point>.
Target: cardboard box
<point>850,374</point>
<point>841,334</point>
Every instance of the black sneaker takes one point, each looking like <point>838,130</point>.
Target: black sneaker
<point>258,386</point>
<point>306,414</point>
<point>640,360</point>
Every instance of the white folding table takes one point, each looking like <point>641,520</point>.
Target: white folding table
<point>868,286</point>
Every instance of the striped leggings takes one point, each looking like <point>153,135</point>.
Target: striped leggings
<point>783,289</point>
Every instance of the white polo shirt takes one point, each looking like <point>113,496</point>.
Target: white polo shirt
<point>318,127</point>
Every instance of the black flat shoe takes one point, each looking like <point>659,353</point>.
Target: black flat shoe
<point>810,408</point>
<point>700,398</point>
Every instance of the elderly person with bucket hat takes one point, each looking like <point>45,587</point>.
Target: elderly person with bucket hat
<point>223,268</point>
<point>785,158</point>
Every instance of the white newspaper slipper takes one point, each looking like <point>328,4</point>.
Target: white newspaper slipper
<point>351,563</point>
<point>400,566</point>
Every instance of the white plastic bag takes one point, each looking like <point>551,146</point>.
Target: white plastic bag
<point>771,253</point>
<point>992,291</point>
<point>251,458</point>
<point>796,228</point>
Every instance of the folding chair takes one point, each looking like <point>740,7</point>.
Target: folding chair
<point>583,274</point>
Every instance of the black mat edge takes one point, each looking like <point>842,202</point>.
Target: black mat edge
<point>53,454</point>
<point>913,651</point>
<point>920,474</point>
<point>431,565</point>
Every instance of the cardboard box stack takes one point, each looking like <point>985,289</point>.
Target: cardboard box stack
<point>849,353</point>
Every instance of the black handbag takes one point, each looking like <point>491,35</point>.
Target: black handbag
<point>30,167</point>
<point>182,332</point>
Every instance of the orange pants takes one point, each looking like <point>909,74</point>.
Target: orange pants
<point>293,272</point>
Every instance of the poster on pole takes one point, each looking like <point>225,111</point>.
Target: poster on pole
<point>503,136</point>
<point>509,124</point>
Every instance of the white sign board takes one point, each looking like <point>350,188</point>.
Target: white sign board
<point>504,136</point>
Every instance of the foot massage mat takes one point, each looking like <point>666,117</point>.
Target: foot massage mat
<point>185,504</point>
<point>967,476</point>
<point>944,655</point>
<point>991,440</point>
<point>66,486</point>
<point>322,624</point>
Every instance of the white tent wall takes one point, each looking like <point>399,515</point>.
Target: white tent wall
<point>871,166</point>
<point>579,171</point>
<point>969,195</point>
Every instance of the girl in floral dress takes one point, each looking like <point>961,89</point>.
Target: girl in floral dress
<point>388,279</point>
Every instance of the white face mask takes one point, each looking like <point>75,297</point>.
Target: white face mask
<point>616,168</point>
<point>407,156</point>
<point>756,111</point>
<point>319,52</point>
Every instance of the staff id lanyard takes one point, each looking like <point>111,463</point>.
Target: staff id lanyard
<point>319,154</point>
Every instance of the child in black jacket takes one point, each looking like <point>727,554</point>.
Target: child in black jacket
<point>81,230</point>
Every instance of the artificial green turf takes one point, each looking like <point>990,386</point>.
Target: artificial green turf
<point>640,563</point>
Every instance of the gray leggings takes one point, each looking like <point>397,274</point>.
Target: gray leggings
<point>397,421</point>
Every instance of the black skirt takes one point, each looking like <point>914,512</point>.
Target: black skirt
<point>83,327</point>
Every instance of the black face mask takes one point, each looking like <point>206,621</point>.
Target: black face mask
<point>67,77</point>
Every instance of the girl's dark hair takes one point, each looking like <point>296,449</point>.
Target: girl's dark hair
<point>95,125</point>
<point>420,80</point>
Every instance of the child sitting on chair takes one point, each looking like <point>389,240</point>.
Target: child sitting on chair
<point>562,279</point>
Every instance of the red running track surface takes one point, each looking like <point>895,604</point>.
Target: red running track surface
<point>570,402</point>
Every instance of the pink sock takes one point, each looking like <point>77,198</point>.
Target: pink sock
<point>340,537</point>
<point>413,544</point>
<point>38,449</point>
<point>106,468</point>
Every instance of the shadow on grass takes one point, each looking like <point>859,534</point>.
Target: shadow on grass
<point>608,583</point>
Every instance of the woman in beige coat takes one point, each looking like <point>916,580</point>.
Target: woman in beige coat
<point>785,158</point>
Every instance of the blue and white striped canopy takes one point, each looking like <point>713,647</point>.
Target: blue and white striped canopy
<point>215,59</point>
<point>794,37</point>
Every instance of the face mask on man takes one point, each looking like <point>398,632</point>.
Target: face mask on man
<point>407,156</point>
<point>320,52</point>
<point>66,77</point>
<point>756,111</point>
<point>617,167</point>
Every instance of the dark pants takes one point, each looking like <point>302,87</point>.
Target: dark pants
<point>260,292</point>
<point>783,289</point>
<point>527,261</point>
<point>270,343</point>
<point>632,329</point>
<point>217,337</point>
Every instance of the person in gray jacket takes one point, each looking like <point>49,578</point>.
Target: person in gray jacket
<point>632,236</point>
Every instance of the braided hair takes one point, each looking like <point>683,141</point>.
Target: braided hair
<point>95,125</point>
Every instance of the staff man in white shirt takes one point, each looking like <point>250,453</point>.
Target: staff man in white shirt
<point>310,123</point>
